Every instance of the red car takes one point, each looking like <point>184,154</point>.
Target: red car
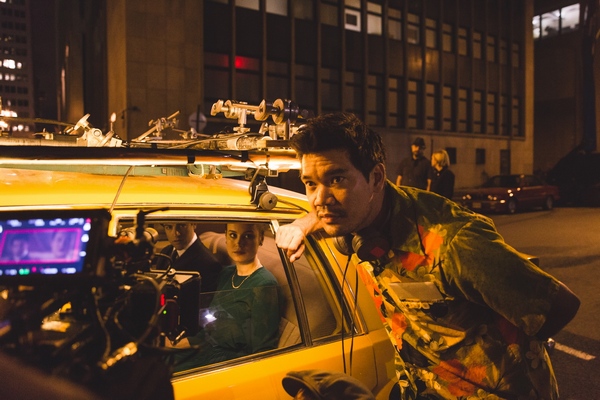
<point>509,193</point>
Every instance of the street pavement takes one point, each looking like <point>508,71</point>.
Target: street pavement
<point>567,242</point>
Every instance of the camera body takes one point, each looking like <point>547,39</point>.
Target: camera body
<point>86,307</point>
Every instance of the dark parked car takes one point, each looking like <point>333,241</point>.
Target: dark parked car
<point>509,193</point>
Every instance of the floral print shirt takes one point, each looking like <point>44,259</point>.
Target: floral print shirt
<point>477,341</point>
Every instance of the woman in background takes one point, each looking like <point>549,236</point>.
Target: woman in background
<point>442,179</point>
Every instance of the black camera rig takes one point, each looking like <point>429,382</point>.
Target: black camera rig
<point>86,307</point>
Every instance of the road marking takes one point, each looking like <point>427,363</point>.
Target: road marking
<point>573,352</point>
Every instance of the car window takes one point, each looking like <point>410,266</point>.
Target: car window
<point>224,316</point>
<point>319,295</point>
<point>304,300</point>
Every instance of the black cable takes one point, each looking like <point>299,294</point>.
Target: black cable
<point>344,281</point>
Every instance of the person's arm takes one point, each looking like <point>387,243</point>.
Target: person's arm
<point>562,310</point>
<point>429,185</point>
<point>291,237</point>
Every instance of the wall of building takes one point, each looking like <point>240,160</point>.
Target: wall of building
<point>155,58</point>
<point>558,116</point>
<point>456,72</point>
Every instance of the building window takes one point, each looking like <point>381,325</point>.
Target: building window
<point>375,102</point>
<point>394,24</point>
<point>277,7</point>
<point>412,29</point>
<point>303,9</point>
<point>414,104</point>
<point>448,109</point>
<point>329,14</point>
<point>447,38</point>
<point>516,117</point>
<point>550,23</point>
<point>569,18</point>
<point>556,22</point>
<point>463,114</point>
<point>353,93</point>
<point>476,44</point>
<point>477,111</point>
<point>491,48</point>
<point>451,154</point>
<point>251,4</point>
<point>479,156</point>
<point>503,51</point>
<point>431,108</point>
<point>516,55</point>
<point>431,33</point>
<point>395,102</point>
<point>374,24</point>
<point>352,20</point>
<point>462,41</point>
<point>491,113</point>
<point>504,123</point>
<point>306,87</point>
<point>330,89</point>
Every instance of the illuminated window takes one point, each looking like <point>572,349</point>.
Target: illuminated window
<point>569,18</point>
<point>303,9</point>
<point>8,63</point>
<point>448,109</point>
<point>431,107</point>
<point>431,33</point>
<point>277,7</point>
<point>394,24</point>
<point>447,42</point>
<point>414,104</point>
<point>329,14</point>
<point>374,25</point>
<point>550,23</point>
<point>352,20</point>
<point>251,4</point>
<point>412,29</point>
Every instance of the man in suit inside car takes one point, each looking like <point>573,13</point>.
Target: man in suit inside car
<point>188,253</point>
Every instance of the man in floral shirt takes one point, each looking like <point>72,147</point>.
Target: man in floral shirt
<point>481,334</point>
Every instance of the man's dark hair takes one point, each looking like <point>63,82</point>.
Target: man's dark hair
<point>341,131</point>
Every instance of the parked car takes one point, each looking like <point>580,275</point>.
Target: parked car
<point>324,323</point>
<point>577,175</point>
<point>509,194</point>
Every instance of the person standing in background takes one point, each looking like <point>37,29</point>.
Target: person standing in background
<point>414,170</point>
<point>441,178</point>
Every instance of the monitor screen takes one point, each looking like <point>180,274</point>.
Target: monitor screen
<point>47,243</point>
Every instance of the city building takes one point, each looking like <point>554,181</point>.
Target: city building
<point>458,73</point>
<point>563,92</point>
<point>16,67</point>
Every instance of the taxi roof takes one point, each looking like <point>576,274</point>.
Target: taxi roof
<point>30,188</point>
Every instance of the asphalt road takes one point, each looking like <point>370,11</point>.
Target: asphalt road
<point>567,242</point>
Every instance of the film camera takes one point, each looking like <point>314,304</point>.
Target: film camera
<point>79,305</point>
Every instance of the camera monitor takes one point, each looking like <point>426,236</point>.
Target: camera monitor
<point>40,244</point>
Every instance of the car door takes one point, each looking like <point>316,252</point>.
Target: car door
<point>316,331</point>
<point>533,191</point>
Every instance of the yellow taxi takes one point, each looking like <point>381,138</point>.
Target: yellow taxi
<point>110,301</point>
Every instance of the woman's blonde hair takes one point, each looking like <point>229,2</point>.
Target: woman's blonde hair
<point>441,157</point>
